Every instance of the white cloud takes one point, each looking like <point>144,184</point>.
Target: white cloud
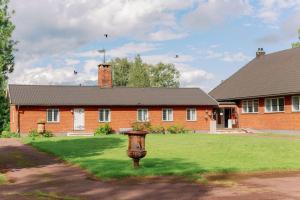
<point>213,12</point>
<point>132,49</point>
<point>72,62</point>
<point>163,35</point>
<point>225,56</point>
<point>167,58</point>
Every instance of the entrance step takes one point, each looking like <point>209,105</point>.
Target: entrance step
<point>231,131</point>
<point>80,134</point>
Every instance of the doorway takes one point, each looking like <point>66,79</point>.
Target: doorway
<point>79,119</point>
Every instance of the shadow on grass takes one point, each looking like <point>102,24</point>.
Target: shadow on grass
<point>78,147</point>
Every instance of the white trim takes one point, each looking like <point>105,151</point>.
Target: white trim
<point>58,115</point>
<point>162,115</point>
<point>109,115</point>
<point>137,115</point>
<point>277,98</point>
<point>252,100</point>
<point>187,114</point>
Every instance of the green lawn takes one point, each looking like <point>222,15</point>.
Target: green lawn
<point>190,155</point>
<point>2,179</point>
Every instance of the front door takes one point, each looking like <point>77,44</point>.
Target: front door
<point>78,119</point>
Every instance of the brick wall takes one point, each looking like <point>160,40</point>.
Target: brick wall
<point>13,118</point>
<point>286,120</point>
<point>121,117</point>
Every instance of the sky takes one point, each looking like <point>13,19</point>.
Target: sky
<point>212,38</point>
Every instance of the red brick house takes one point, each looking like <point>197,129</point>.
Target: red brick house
<point>263,95</point>
<point>69,109</point>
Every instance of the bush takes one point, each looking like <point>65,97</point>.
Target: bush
<point>176,129</point>
<point>8,134</point>
<point>103,130</point>
<point>157,129</point>
<point>141,126</point>
<point>34,133</point>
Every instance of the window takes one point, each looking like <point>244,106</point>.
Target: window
<point>167,114</point>
<point>53,115</point>
<point>250,106</point>
<point>191,114</point>
<point>274,104</point>
<point>142,115</point>
<point>104,115</point>
<point>296,103</point>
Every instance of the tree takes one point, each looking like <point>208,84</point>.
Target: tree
<point>297,44</point>
<point>164,75</point>
<point>138,74</point>
<point>6,59</point>
<point>120,71</point>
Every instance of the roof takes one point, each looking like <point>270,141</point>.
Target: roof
<point>269,75</point>
<point>50,95</point>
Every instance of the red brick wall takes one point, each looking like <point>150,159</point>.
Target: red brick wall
<point>121,117</point>
<point>286,120</point>
<point>13,118</point>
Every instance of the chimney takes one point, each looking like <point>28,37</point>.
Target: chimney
<point>104,76</point>
<point>260,52</point>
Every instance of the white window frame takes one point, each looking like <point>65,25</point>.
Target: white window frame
<point>109,114</point>
<point>52,120</point>
<point>293,110</point>
<point>193,120</point>
<point>247,106</point>
<point>277,99</point>
<point>143,110</point>
<point>162,115</point>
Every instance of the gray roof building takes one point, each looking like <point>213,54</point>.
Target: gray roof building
<point>266,75</point>
<point>54,95</point>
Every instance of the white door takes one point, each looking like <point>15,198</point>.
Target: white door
<point>78,119</point>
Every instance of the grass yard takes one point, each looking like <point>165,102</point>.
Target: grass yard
<point>2,179</point>
<point>189,155</point>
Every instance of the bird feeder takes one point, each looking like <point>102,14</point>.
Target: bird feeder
<point>136,146</point>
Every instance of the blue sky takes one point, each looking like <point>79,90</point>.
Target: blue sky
<point>213,38</point>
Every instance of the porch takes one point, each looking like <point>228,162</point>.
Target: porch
<point>226,116</point>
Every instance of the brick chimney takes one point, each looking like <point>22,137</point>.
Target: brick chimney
<point>260,52</point>
<point>104,76</point>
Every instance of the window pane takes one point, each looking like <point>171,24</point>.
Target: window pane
<point>274,105</point>
<point>295,103</point>
<point>250,106</point>
<point>164,115</point>
<point>188,114</point>
<point>170,115</point>
<point>244,106</point>
<point>49,115</point>
<point>55,115</point>
<point>140,118</point>
<point>281,104</point>
<point>255,105</point>
<point>145,115</point>
<point>268,105</point>
<point>106,115</point>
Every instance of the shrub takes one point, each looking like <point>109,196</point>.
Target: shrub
<point>33,133</point>
<point>141,126</point>
<point>103,130</point>
<point>47,134</point>
<point>8,134</point>
<point>157,129</point>
<point>176,129</point>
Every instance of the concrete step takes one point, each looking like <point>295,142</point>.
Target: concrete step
<point>80,134</point>
<point>231,131</point>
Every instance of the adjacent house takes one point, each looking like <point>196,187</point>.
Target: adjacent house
<point>76,109</point>
<point>263,95</point>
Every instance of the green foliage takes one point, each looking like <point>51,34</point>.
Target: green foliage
<point>141,126</point>
<point>6,59</point>
<point>164,75</point>
<point>296,44</point>
<point>103,130</point>
<point>157,129</point>
<point>188,155</point>
<point>35,134</point>
<point>176,129</point>
<point>8,134</point>
<point>120,71</point>
<point>138,74</point>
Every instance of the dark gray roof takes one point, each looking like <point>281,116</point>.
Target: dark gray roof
<point>269,75</point>
<point>38,95</point>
